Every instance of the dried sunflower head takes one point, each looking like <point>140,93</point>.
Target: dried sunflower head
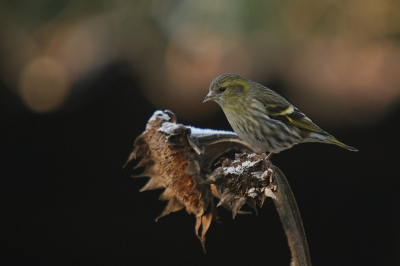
<point>178,158</point>
<point>247,179</point>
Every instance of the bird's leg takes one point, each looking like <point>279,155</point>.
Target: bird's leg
<point>268,156</point>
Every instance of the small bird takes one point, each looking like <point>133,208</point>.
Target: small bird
<point>262,117</point>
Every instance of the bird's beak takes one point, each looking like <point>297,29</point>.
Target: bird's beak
<point>210,96</point>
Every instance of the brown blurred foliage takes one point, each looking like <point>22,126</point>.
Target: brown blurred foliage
<point>339,60</point>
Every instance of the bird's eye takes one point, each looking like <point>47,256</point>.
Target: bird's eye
<point>222,89</point>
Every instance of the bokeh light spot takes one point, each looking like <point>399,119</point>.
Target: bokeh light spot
<point>43,84</point>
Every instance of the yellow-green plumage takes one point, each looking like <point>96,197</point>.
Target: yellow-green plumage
<point>262,117</point>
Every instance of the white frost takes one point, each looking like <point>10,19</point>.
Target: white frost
<point>159,114</point>
<point>199,131</point>
<point>252,192</point>
<point>258,175</point>
<point>233,170</point>
<point>249,163</point>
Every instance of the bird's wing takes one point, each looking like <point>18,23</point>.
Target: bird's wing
<point>290,115</point>
<point>278,108</point>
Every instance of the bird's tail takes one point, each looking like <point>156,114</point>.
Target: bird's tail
<point>340,144</point>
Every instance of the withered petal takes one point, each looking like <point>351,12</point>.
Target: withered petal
<point>150,170</point>
<point>237,205</point>
<point>145,173</point>
<point>167,194</point>
<point>141,146</point>
<point>146,161</point>
<point>226,197</point>
<point>173,205</point>
<point>132,156</point>
<point>141,139</point>
<point>215,191</point>
<point>261,199</point>
<point>205,221</point>
<point>229,208</point>
<point>155,182</point>
<point>253,204</point>
<point>269,193</point>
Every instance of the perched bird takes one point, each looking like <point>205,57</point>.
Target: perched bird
<point>262,117</point>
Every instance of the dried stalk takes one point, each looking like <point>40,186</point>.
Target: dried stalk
<point>178,158</point>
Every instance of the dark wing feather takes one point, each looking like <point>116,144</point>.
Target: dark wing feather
<point>297,119</point>
<point>280,109</point>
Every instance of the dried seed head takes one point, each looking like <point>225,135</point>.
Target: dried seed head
<point>248,179</point>
<point>171,163</point>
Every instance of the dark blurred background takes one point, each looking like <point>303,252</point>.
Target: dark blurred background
<point>79,79</point>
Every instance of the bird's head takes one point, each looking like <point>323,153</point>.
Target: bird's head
<point>228,90</point>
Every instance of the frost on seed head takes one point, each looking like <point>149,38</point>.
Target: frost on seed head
<point>248,179</point>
